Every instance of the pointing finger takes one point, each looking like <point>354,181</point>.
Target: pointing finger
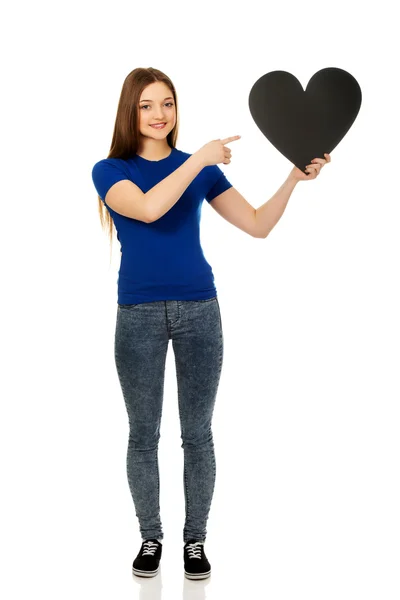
<point>230,139</point>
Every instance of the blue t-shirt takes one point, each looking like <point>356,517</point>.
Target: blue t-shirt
<point>162,260</point>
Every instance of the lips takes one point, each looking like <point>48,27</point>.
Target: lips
<point>158,125</point>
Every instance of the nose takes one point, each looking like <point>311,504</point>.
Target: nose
<point>158,113</point>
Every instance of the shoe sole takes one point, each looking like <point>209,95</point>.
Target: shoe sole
<point>139,573</point>
<point>197,575</point>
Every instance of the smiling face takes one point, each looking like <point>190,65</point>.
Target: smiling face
<point>156,105</point>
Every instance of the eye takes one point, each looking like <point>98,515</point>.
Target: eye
<point>144,105</point>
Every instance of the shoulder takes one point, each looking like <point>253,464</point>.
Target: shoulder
<point>108,171</point>
<point>183,154</point>
<point>179,156</point>
<point>109,163</point>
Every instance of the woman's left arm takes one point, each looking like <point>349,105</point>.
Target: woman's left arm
<point>269,213</point>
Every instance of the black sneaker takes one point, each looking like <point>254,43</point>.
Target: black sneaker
<point>196,563</point>
<point>147,562</point>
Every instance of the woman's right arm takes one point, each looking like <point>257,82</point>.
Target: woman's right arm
<point>127,199</point>
<point>162,197</point>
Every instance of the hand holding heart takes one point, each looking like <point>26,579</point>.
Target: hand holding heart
<point>313,169</point>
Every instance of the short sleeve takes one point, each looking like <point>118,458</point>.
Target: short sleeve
<point>219,183</point>
<point>104,174</point>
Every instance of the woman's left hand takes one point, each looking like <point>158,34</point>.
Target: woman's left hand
<point>313,170</point>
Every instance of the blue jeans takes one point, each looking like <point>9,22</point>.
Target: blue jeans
<point>142,336</point>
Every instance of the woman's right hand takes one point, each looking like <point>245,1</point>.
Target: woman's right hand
<point>215,152</point>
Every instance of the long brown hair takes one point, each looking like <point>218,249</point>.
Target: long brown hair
<point>125,140</point>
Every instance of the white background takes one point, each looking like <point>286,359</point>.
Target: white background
<point>306,425</point>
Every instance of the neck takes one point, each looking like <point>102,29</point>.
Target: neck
<point>154,149</point>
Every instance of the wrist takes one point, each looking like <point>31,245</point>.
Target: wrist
<point>292,179</point>
<point>197,159</point>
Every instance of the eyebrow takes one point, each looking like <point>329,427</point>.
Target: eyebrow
<point>169,98</point>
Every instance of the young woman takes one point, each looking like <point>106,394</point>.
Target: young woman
<point>153,194</point>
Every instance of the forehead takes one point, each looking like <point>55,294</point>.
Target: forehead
<point>156,89</point>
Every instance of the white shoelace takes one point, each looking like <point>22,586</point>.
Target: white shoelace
<point>193,549</point>
<point>149,548</point>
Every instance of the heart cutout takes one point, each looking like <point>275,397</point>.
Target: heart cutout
<point>304,124</point>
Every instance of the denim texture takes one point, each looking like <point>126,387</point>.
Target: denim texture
<point>142,337</point>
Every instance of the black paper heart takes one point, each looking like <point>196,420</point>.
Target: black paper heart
<point>304,125</point>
